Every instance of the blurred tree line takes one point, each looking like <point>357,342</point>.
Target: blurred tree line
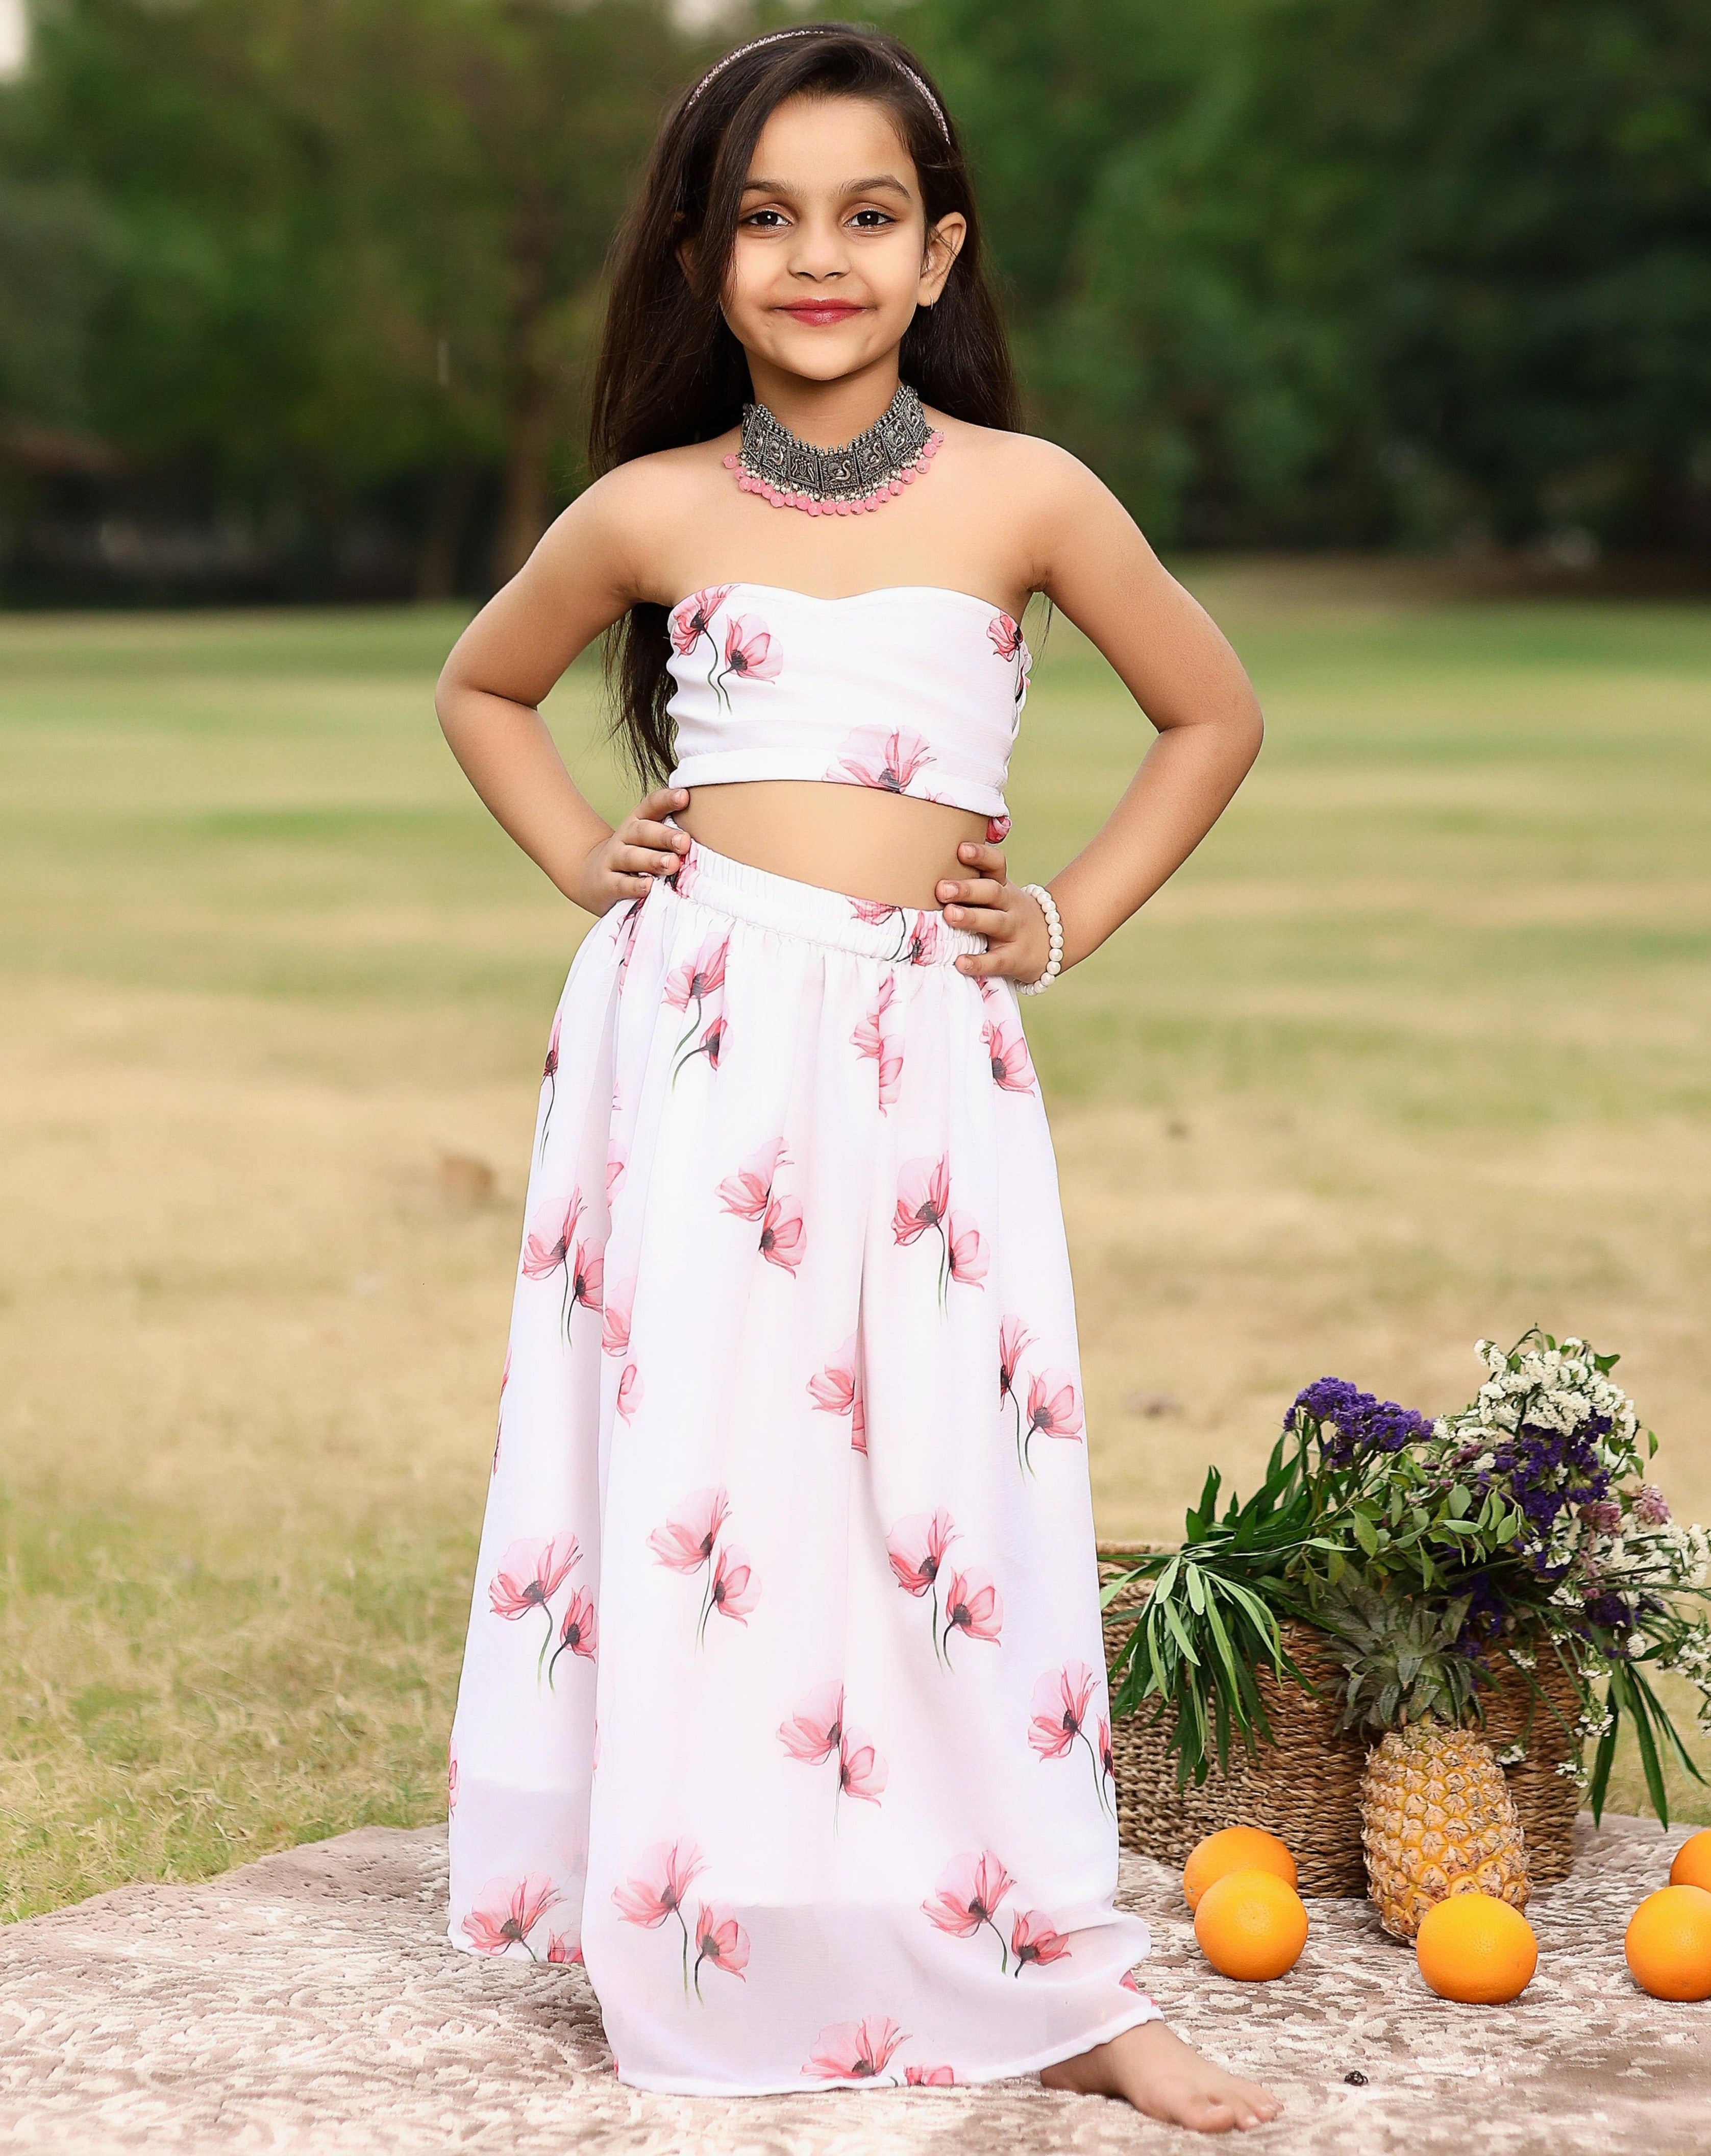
<point>297,296</point>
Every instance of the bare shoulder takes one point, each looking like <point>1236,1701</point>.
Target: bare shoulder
<point>626,518</point>
<point>1034,471</point>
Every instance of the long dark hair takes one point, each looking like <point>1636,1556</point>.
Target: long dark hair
<point>671,372</point>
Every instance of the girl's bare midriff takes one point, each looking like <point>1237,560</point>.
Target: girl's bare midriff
<point>889,847</point>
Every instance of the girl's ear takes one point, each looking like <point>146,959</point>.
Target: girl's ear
<point>685,253</point>
<point>943,246</point>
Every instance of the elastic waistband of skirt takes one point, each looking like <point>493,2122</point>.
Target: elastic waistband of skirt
<point>918,936</point>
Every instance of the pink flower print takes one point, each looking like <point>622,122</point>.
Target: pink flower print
<point>624,938</point>
<point>733,1590</point>
<point>888,761</point>
<point>861,1771</point>
<point>548,1240</point>
<point>920,947</point>
<point>549,1079</point>
<point>997,829</point>
<point>838,1390</point>
<point>1005,636</point>
<point>531,1572</point>
<point>694,982</point>
<point>782,1233</point>
<point>1014,1340</point>
<point>547,1248</point>
<point>578,1633</point>
<point>711,1045</point>
<point>855,2051</point>
<point>750,655</point>
<point>499,1420</point>
<point>614,1176</point>
<point>563,1949</point>
<point>692,618</point>
<point>721,1940</point>
<point>929,2077</point>
<point>968,1894</point>
<point>923,1198</point>
<point>814,1731</point>
<point>1130,1982</point>
<point>871,1038</point>
<point>923,1207</point>
<point>1033,1939</point>
<point>873,910</point>
<point>695,979</point>
<point>967,1253</point>
<point>615,1320</point>
<point>630,1389</point>
<point>656,1891</point>
<point>1010,643</point>
<point>1106,1759</point>
<point>971,1606</point>
<point>1053,1409</point>
<point>1007,1053</point>
<point>584,1274</point>
<point>916,1548</point>
<point>452,1774</point>
<point>745,1194</point>
<point>509,1914</point>
<point>685,1543</point>
<point>1059,1709</point>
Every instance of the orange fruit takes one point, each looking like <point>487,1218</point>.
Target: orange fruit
<point>1668,1943</point>
<point>1234,1849</point>
<point>1250,1924</point>
<point>1475,1949</point>
<point>1692,1862</point>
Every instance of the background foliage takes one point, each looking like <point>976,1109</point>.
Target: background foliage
<point>297,296</point>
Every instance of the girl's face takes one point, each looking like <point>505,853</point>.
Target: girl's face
<point>832,254</point>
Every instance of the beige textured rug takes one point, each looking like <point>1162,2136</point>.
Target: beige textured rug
<point>310,2003</point>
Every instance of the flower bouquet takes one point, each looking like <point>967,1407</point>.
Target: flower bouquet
<point>1428,1565</point>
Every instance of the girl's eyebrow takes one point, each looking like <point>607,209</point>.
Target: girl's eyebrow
<point>875,183</point>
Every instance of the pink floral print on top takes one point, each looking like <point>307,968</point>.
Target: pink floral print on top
<point>750,654</point>
<point>889,759</point>
<point>1009,642</point>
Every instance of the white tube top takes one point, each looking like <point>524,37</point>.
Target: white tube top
<point>916,689</point>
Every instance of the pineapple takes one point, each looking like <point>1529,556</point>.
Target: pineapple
<point>1437,1817</point>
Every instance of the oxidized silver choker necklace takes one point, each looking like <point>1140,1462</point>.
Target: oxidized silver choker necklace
<point>792,473</point>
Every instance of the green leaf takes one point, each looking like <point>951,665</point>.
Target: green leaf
<point>1365,1533</point>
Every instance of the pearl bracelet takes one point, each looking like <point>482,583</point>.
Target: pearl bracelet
<point>1055,929</point>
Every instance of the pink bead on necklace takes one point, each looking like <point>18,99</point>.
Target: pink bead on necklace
<point>848,481</point>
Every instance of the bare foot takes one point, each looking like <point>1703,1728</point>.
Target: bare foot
<point>1160,2074</point>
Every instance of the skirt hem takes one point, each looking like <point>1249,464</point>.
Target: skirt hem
<point>1072,2047</point>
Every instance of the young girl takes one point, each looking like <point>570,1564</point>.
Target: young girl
<point>783,1705</point>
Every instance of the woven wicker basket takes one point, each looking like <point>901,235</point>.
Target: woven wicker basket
<point>1305,1786</point>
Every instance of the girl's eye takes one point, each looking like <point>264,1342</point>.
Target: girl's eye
<point>871,220</point>
<point>755,216</point>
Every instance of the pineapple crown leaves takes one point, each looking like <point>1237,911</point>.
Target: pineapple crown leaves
<point>1402,1658</point>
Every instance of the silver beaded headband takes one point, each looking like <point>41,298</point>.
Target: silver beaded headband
<point>813,30</point>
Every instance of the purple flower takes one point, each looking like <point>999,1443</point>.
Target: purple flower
<point>1650,1507</point>
<point>1360,1422</point>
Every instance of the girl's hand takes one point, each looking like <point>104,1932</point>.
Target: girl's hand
<point>1018,943</point>
<point>625,864</point>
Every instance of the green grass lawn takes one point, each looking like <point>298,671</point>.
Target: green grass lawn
<point>1414,1050</point>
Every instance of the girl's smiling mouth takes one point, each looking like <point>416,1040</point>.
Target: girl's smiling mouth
<point>820,311</point>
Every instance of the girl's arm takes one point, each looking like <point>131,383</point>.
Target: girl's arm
<point>576,582</point>
<point>1176,664</point>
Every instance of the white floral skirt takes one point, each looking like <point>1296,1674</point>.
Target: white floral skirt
<point>783,1703</point>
